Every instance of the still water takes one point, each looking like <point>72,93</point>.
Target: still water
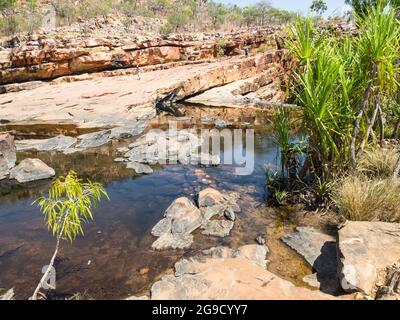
<point>114,259</point>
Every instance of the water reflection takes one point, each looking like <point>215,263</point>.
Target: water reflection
<point>114,259</point>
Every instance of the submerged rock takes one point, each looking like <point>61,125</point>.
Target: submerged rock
<point>93,140</point>
<point>319,250</point>
<point>217,228</point>
<point>8,154</point>
<point>59,143</point>
<point>139,168</point>
<point>30,170</point>
<point>364,248</point>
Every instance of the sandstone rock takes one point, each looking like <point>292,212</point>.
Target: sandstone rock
<point>9,295</point>
<point>30,170</point>
<point>185,217</point>
<point>217,228</point>
<point>363,249</point>
<point>58,143</point>
<point>16,87</point>
<point>93,140</point>
<point>181,218</point>
<point>229,278</point>
<point>8,154</point>
<point>319,250</point>
<point>210,197</point>
<point>255,253</point>
<point>139,168</point>
<point>173,241</point>
<point>211,202</point>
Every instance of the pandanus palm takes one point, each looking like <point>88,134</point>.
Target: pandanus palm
<point>377,46</point>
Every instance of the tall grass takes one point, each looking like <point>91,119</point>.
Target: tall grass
<point>378,162</point>
<point>358,197</point>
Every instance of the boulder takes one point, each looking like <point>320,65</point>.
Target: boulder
<point>30,170</point>
<point>364,248</point>
<point>174,231</point>
<point>212,202</point>
<point>8,154</point>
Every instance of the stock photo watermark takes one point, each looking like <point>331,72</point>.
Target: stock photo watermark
<point>208,147</point>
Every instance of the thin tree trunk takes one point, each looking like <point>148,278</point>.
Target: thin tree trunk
<point>46,274</point>
<point>381,126</point>
<point>371,125</point>
<point>396,169</point>
<point>356,127</point>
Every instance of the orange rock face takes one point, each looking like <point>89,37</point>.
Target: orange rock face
<point>35,57</point>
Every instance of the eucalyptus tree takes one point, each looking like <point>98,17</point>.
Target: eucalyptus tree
<point>69,203</point>
<point>318,6</point>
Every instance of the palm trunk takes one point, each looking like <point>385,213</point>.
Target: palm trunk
<point>371,125</point>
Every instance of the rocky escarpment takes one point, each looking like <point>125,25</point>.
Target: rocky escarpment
<point>48,56</point>
<point>121,100</point>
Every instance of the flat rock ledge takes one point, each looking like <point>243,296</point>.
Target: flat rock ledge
<point>364,249</point>
<point>227,274</point>
<point>82,142</point>
<point>183,217</point>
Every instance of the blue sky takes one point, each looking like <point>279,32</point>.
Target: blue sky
<point>293,5</point>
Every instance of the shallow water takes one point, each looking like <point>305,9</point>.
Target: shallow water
<point>114,259</point>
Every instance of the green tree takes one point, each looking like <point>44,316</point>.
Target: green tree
<point>6,4</point>
<point>69,203</point>
<point>361,6</point>
<point>318,7</point>
<point>217,12</point>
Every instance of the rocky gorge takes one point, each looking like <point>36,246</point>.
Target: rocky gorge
<point>185,228</point>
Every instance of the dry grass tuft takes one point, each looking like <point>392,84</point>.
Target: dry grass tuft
<point>378,162</point>
<point>364,199</point>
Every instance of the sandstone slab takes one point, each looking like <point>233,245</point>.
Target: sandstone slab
<point>31,170</point>
<point>230,278</point>
<point>364,248</point>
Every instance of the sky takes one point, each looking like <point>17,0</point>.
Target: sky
<point>334,6</point>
